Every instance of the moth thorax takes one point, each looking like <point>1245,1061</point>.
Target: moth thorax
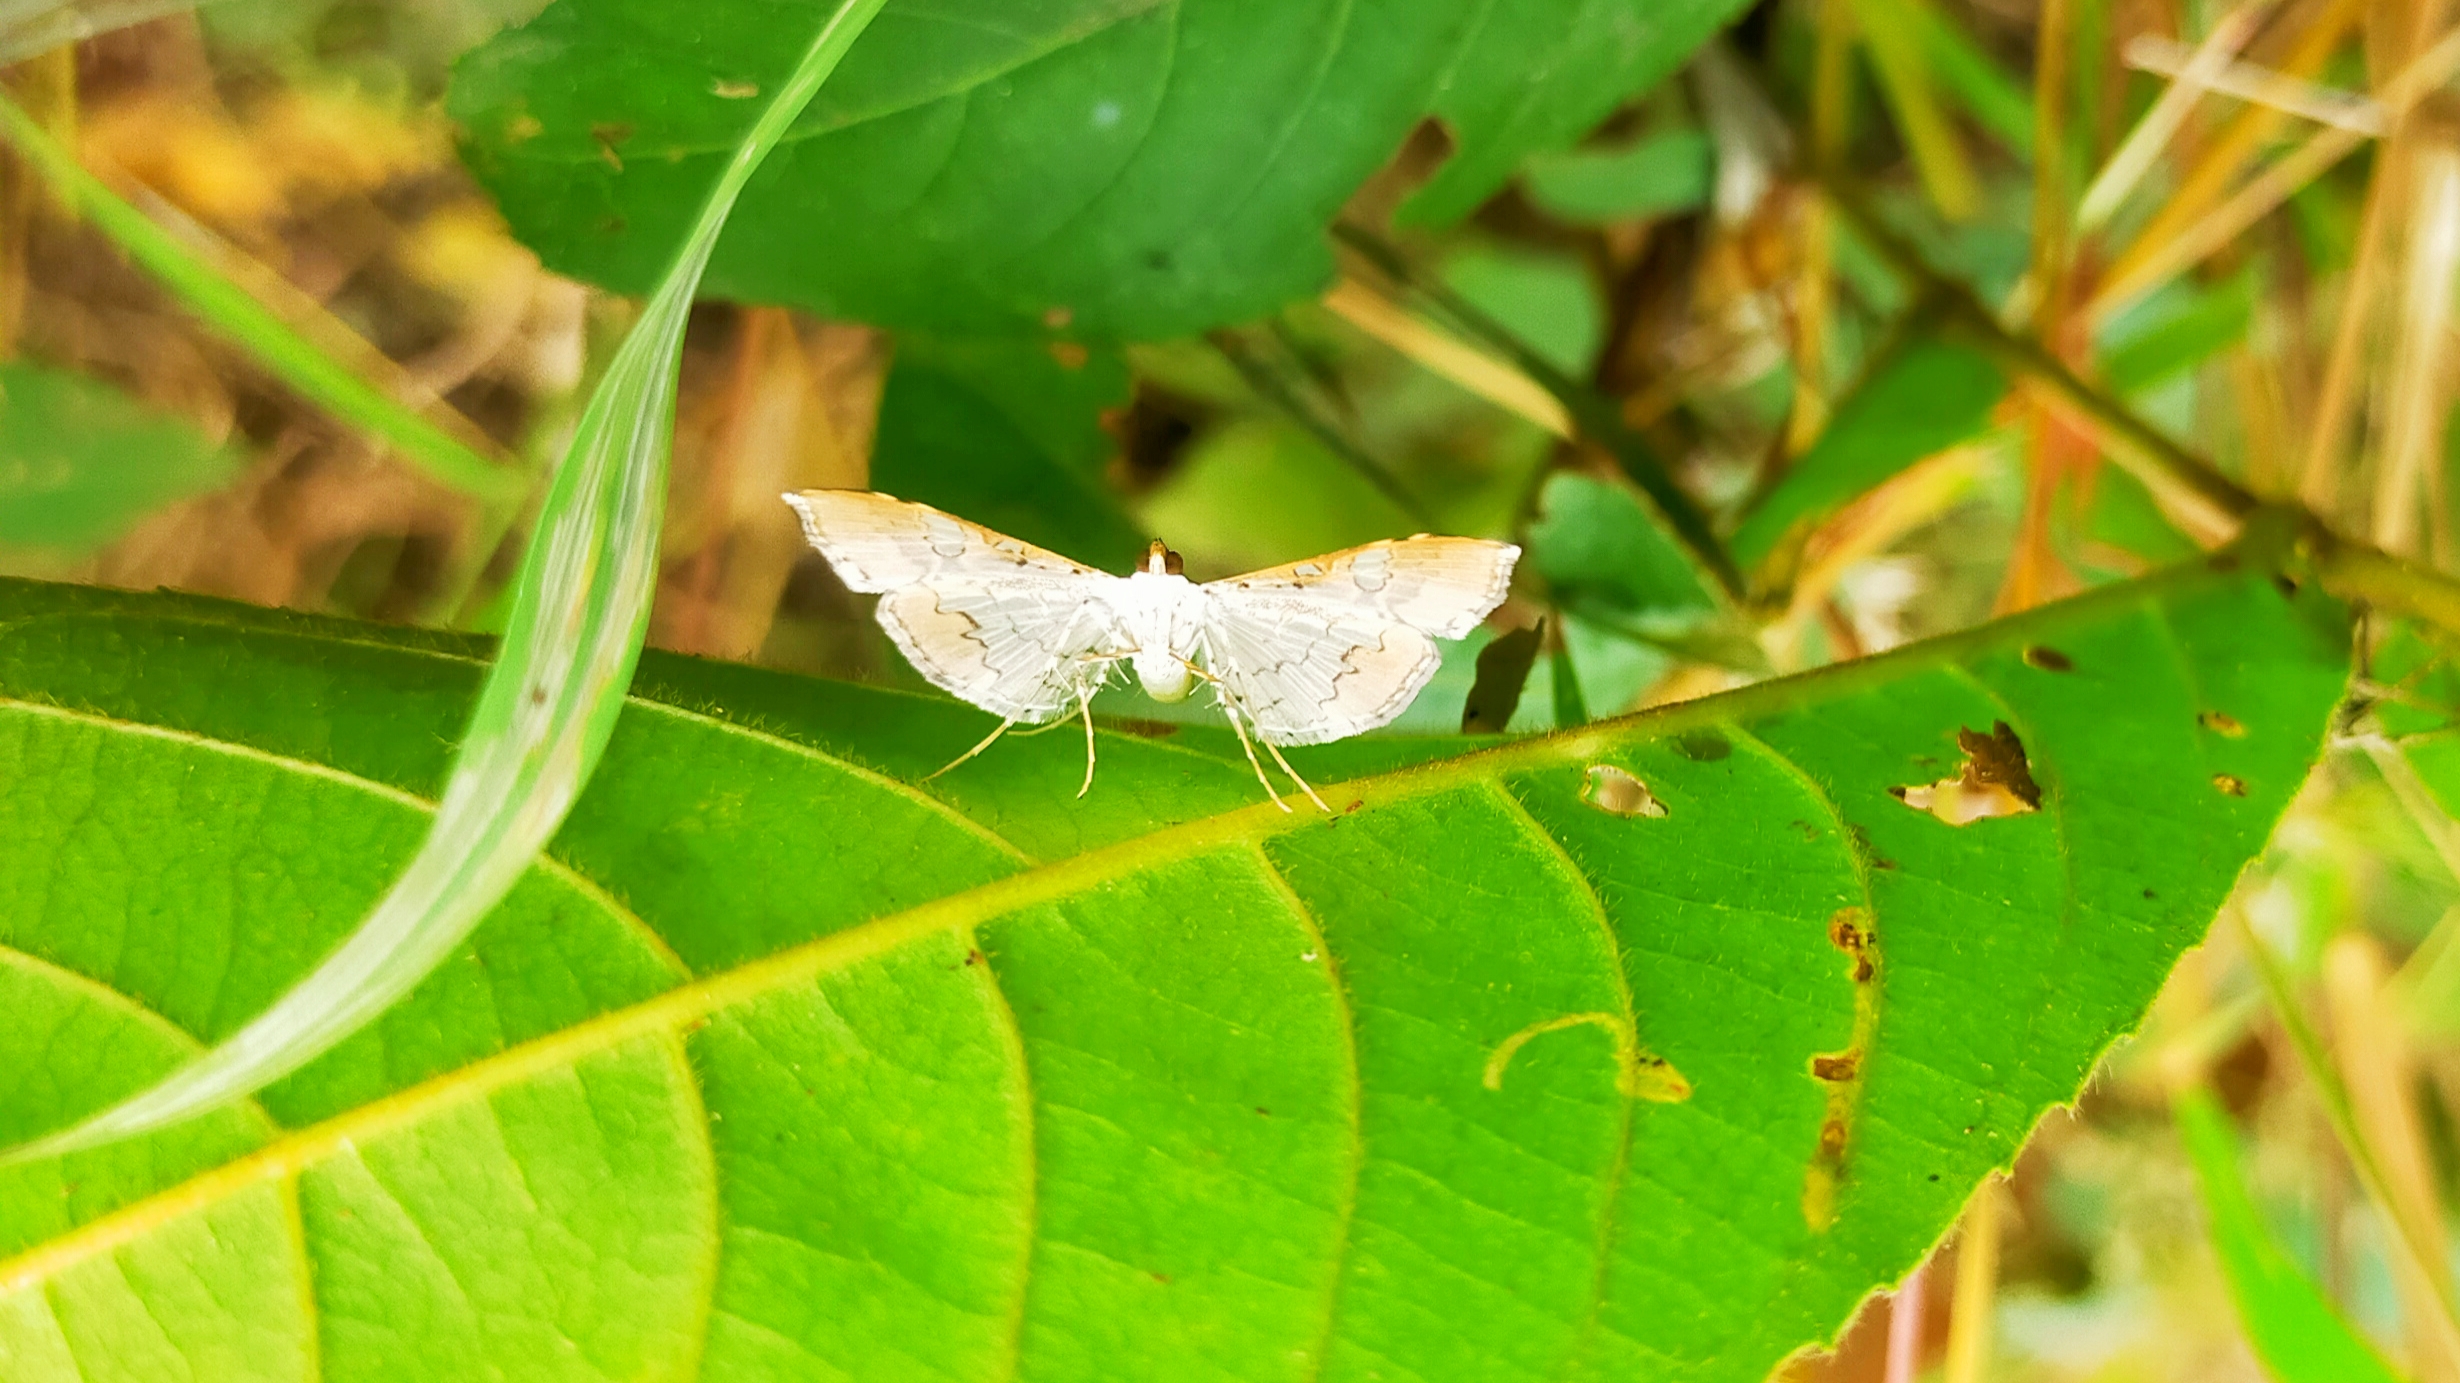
<point>1161,561</point>
<point>1165,676</point>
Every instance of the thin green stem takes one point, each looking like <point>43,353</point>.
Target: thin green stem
<point>1594,416</point>
<point>1269,384</point>
<point>2349,568</point>
<point>276,345</point>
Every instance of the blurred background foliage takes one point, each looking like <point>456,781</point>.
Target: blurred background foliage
<point>2258,256</point>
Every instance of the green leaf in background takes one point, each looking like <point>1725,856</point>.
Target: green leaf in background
<point>2173,332</point>
<point>1070,167</point>
<point>783,1061</point>
<point>80,460</point>
<point>1612,568</point>
<point>1547,302</point>
<point>2292,1325</point>
<point>1592,543</point>
<point>1010,435</point>
<point>1917,401</point>
<point>1656,176</point>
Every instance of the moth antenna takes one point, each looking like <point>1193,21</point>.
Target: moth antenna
<point>987,741</point>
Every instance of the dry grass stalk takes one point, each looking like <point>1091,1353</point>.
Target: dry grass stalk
<point>2317,38</point>
<point>1447,355</point>
<point>2139,274</point>
<point>2319,487</point>
<point>2161,123</point>
<point>791,406</point>
<point>2416,401</point>
<point>1977,1287</point>
<point>2380,1070</point>
<point>2260,86</point>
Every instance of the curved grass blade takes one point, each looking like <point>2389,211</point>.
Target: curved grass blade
<point>219,301</point>
<point>29,27</point>
<point>549,702</point>
<point>2288,1320</point>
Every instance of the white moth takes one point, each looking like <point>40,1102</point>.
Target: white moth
<point>1301,654</point>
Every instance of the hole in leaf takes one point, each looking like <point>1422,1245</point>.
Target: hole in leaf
<point>2230,783</point>
<point>1610,789</point>
<point>1994,780</point>
<point>2048,659</point>
<point>2222,723</point>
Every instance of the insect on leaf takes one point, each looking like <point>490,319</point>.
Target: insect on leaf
<point>780,1056</point>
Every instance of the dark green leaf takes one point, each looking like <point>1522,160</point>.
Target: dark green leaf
<point>80,460</point>
<point>1009,435</point>
<point>1918,400</point>
<point>1120,168</point>
<point>784,1061</point>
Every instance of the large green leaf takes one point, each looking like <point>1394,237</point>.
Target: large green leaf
<point>1121,168</point>
<point>783,1064</point>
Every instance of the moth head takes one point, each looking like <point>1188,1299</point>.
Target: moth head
<point>1161,561</point>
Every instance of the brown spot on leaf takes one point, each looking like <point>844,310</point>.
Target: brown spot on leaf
<point>1058,318</point>
<point>611,137</point>
<point>2222,723</point>
<point>1610,789</point>
<point>1995,780</point>
<point>1070,355</point>
<point>2230,783</point>
<point>2048,659</point>
<point>1840,1066</point>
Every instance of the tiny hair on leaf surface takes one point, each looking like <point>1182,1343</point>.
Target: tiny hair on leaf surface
<point>781,1061</point>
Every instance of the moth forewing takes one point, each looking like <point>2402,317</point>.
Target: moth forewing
<point>1439,586</point>
<point>877,544</point>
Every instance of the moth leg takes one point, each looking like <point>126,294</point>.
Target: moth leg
<point>1231,710</point>
<point>1084,704</point>
<point>1275,751</point>
<point>987,741</point>
<point>1230,707</point>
